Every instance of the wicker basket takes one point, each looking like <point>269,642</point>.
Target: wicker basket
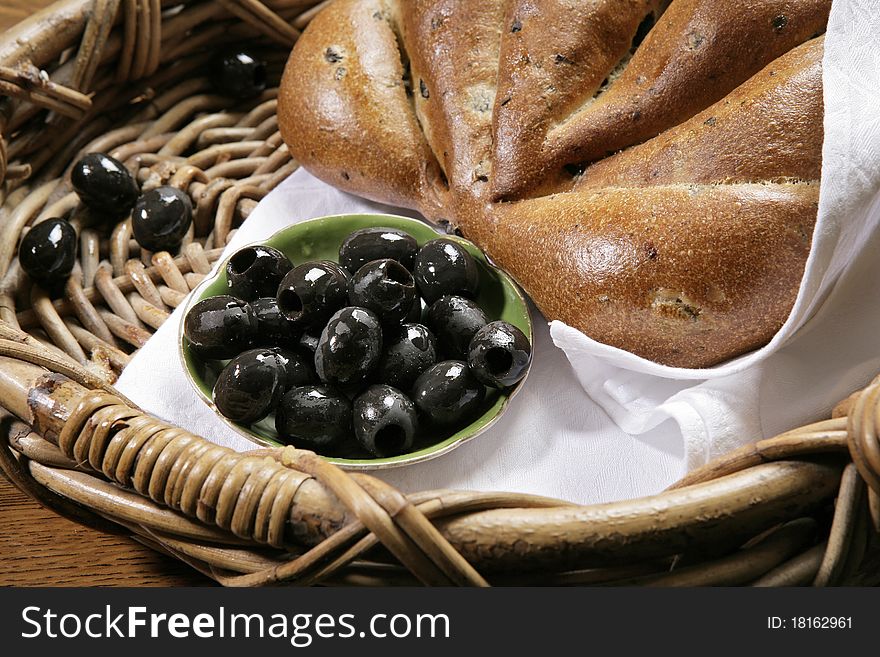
<point>127,77</point>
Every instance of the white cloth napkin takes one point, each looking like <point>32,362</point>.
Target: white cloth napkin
<point>594,423</point>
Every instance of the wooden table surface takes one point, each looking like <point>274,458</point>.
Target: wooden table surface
<point>39,548</point>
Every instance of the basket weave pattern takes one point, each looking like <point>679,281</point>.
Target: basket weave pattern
<point>128,78</point>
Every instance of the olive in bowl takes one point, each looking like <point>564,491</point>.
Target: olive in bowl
<point>409,351</point>
<point>386,288</point>
<point>368,244</point>
<point>239,74</point>
<point>311,292</point>
<point>385,421</point>
<point>349,347</point>
<point>256,271</point>
<point>448,393</point>
<point>444,267</point>
<point>316,417</point>
<point>220,327</point>
<point>250,386</point>
<point>454,321</point>
<point>499,354</point>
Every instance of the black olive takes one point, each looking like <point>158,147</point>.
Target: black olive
<point>455,321</point>
<point>308,341</point>
<point>443,267</point>
<point>250,386</point>
<point>448,393</point>
<point>385,287</point>
<point>160,218</point>
<point>314,417</point>
<point>220,327</point>
<point>256,271</point>
<point>499,354</point>
<point>311,292</point>
<point>409,351</point>
<point>414,316</point>
<point>350,347</point>
<point>274,329</point>
<point>47,252</point>
<point>239,74</point>
<point>368,244</point>
<point>298,371</point>
<point>385,421</point>
<point>104,184</point>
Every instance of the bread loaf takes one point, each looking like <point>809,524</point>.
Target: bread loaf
<point>647,170</point>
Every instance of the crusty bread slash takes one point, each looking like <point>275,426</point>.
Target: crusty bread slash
<point>682,274</point>
<point>687,247</point>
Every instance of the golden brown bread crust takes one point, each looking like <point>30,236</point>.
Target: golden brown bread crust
<point>344,112</point>
<point>767,129</point>
<point>684,275</point>
<point>555,55</point>
<point>453,48</point>
<point>652,250</point>
<point>699,51</point>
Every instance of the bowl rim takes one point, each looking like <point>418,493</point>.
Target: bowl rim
<point>386,463</point>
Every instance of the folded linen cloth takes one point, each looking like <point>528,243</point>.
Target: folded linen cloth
<point>594,423</point>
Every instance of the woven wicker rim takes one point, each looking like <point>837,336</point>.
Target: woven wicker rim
<point>127,77</point>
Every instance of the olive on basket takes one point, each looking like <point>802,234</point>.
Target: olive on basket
<point>47,252</point>
<point>160,218</point>
<point>379,356</point>
<point>239,74</point>
<point>104,184</point>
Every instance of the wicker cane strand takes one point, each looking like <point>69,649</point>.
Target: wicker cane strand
<point>131,79</point>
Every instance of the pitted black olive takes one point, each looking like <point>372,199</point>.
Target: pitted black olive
<point>311,292</point>
<point>499,354</point>
<point>386,288</point>
<point>274,328</point>
<point>250,386</point>
<point>298,371</point>
<point>448,394</point>
<point>369,244</point>
<point>385,421</point>
<point>314,417</point>
<point>160,218</point>
<point>454,321</point>
<point>239,74</point>
<point>104,184</point>
<point>47,252</point>
<point>444,267</point>
<point>220,327</point>
<point>256,271</point>
<point>409,351</point>
<point>350,347</point>
<point>308,341</point>
<point>414,316</point>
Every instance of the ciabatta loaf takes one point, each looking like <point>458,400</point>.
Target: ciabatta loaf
<point>647,170</point>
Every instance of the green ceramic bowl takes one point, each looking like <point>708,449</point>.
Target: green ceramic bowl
<point>321,238</point>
